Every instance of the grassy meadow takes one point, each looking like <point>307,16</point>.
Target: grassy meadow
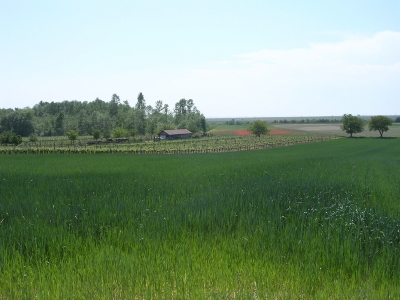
<point>308,221</point>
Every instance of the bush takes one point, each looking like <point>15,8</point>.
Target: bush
<point>72,135</point>
<point>9,137</point>
<point>33,138</point>
<point>119,132</point>
<point>96,134</point>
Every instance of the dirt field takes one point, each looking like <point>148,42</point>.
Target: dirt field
<point>394,131</point>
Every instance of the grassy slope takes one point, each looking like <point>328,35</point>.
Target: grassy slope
<point>315,220</point>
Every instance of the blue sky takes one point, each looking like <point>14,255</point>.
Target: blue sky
<point>233,58</point>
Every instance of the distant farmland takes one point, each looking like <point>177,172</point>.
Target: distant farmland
<point>323,129</point>
<point>242,130</point>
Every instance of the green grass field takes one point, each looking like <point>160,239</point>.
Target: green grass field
<point>317,220</point>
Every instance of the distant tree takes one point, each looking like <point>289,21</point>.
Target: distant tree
<point>151,124</point>
<point>114,104</point>
<point>72,135</point>
<point>181,107</point>
<point>20,121</point>
<point>380,123</point>
<point>8,137</point>
<point>352,124</point>
<point>96,134</point>
<point>231,122</point>
<point>107,134</point>
<point>33,138</point>
<point>132,133</point>
<point>119,132</point>
<point>140,114</point>
<point>189,106</point>
<point>258,128</point>
<point>159,106</point>
<point>165,108</point>
<point>203,124</point>
<point>141,103</point>
<point>165,126</point>
<point>397,120</point>
<point>59,124</point>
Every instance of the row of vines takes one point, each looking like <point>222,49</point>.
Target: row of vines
<point>203,145</point>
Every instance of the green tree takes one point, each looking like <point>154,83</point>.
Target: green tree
<point>20,121</point>
<point>119,132</point>
<point>8,137</point>
<point>165,126</point>
<point>140,114</point>
<point>203,124</point>
<point>59,124</point>
<point>72,135</point>
<point>133,133</point>
<point>258,128</point>
<point>114,104</point>
<point>141,103</point>
<point>380,123</point>
<point>96,134</point>
<point>33,138</point>
<point>352,124</point>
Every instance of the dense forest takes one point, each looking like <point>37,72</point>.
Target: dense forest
<point>59,118</point>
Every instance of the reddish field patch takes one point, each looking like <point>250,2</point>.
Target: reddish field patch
<point>242,132</point>
<point>279,132</point>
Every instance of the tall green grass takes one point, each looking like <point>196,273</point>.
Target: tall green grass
<point>305,221</point>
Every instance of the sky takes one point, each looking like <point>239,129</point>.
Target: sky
<point>233,58</point>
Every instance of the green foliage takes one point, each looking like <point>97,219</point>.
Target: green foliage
<point>119,132</point>
<point>397,120</point>
<point>8,137</point>
<point>72,135</point>
<point>133,133</point>
<point>107,134</point>
<point>114,105</point>
<point>352,124</point>
<point>59,124</point>
<point>203,124</point>
<point>20,121</point>
<point>96,134</point>
<point>164,126</point>
<point>379,123</point>
<point>141,102</point>
<point>258,128</point>
<point>233,122</point>
<point>57,118</point>
<point>33,138</point>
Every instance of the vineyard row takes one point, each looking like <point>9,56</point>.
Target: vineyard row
<point>203,145</point>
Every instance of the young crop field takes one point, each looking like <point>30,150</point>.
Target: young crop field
<point>307,221</point>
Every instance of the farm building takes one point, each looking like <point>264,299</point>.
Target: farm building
<point>174,134</point>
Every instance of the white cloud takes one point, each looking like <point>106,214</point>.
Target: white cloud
<point>383,48</point>
<point>359,75</point>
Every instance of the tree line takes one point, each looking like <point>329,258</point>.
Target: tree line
<point>102,118</point>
